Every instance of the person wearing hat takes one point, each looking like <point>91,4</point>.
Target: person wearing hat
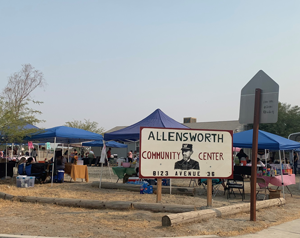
<point>187,163</point>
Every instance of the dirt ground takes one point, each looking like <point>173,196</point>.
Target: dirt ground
<point>53,220</point>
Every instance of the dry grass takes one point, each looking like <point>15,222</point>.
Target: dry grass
<point>52,220</point>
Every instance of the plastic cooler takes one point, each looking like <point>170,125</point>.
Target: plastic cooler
<point>133,179</point>
<point>59,178</point>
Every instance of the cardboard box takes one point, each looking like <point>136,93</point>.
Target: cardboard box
<point>273,193</point>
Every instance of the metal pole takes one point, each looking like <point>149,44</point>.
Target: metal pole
<point>101,167</point>
<point>53,161</point>
<point>254,153</point>
<point>6,162</point>
<point>266,158</point>
<point>170,186</point>
<point>39,151</point>
<point>282,184</point>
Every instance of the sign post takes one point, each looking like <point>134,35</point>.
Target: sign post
<point>209,192</point>
<point>185,154</point>
<point>254,154</point>
<point>259,104</point>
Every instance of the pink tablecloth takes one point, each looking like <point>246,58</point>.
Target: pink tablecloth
<point>276,181</point>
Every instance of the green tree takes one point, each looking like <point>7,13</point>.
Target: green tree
<point>14,104</point>
<point>288,121</point>
<point>87,125</point>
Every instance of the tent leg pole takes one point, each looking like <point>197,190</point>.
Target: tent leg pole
<point>53,161</point>
<point>282,184</point>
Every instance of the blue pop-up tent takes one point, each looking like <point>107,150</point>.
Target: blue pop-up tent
<point>112,144</point>
<point>63,134</point>
<point>132,133</point>
<point>266,140</point>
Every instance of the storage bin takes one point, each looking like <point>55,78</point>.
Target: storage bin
<point>19,180</point>
<point>31,180</point>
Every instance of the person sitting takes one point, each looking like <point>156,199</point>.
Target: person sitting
<point>260,164</point>
<point>21,166</point>
<point>243,158</point>
<point>29,161</point>
<point>61,161</point>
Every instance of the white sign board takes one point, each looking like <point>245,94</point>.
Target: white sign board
<point>185,153</point>
<point>269,99</point>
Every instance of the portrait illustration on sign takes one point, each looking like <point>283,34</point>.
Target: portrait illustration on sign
<point>187,162</point>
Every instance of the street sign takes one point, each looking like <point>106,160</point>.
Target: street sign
<point>185,153</point>
<point>269,99</point>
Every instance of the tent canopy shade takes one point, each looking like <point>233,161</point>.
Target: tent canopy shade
<point>64,134</point>
<point>266,140</point>
<point>132,133</point>
<point>112,144</point>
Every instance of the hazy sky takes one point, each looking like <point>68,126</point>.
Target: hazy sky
<point>115,62</point>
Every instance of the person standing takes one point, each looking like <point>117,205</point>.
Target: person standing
<point>91,156</point>
<point>34,153</point>
<point>130,156</point>
<point>296,158</point>
<point>108,154</point>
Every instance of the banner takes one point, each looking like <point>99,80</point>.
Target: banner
<point>48,146</point>
<point>30,145</point>
<point>103,153</point>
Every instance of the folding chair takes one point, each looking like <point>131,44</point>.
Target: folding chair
<point>215,185</point>
<point>193,182</point>
<point>236,183</point>
<point>262,186</point>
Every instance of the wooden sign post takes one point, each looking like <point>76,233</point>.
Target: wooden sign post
<point>209,192</point>
<point>159,188</point>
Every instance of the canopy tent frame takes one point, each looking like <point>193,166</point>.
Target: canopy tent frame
<point>266,140</point>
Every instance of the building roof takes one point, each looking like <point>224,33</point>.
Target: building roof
<point>235,126</point>
<point>116,128</point>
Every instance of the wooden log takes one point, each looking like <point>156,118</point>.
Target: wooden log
<point>6,196</point>
<point>158,207</point>
<point>197,216</point>
<point>136,188</point>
